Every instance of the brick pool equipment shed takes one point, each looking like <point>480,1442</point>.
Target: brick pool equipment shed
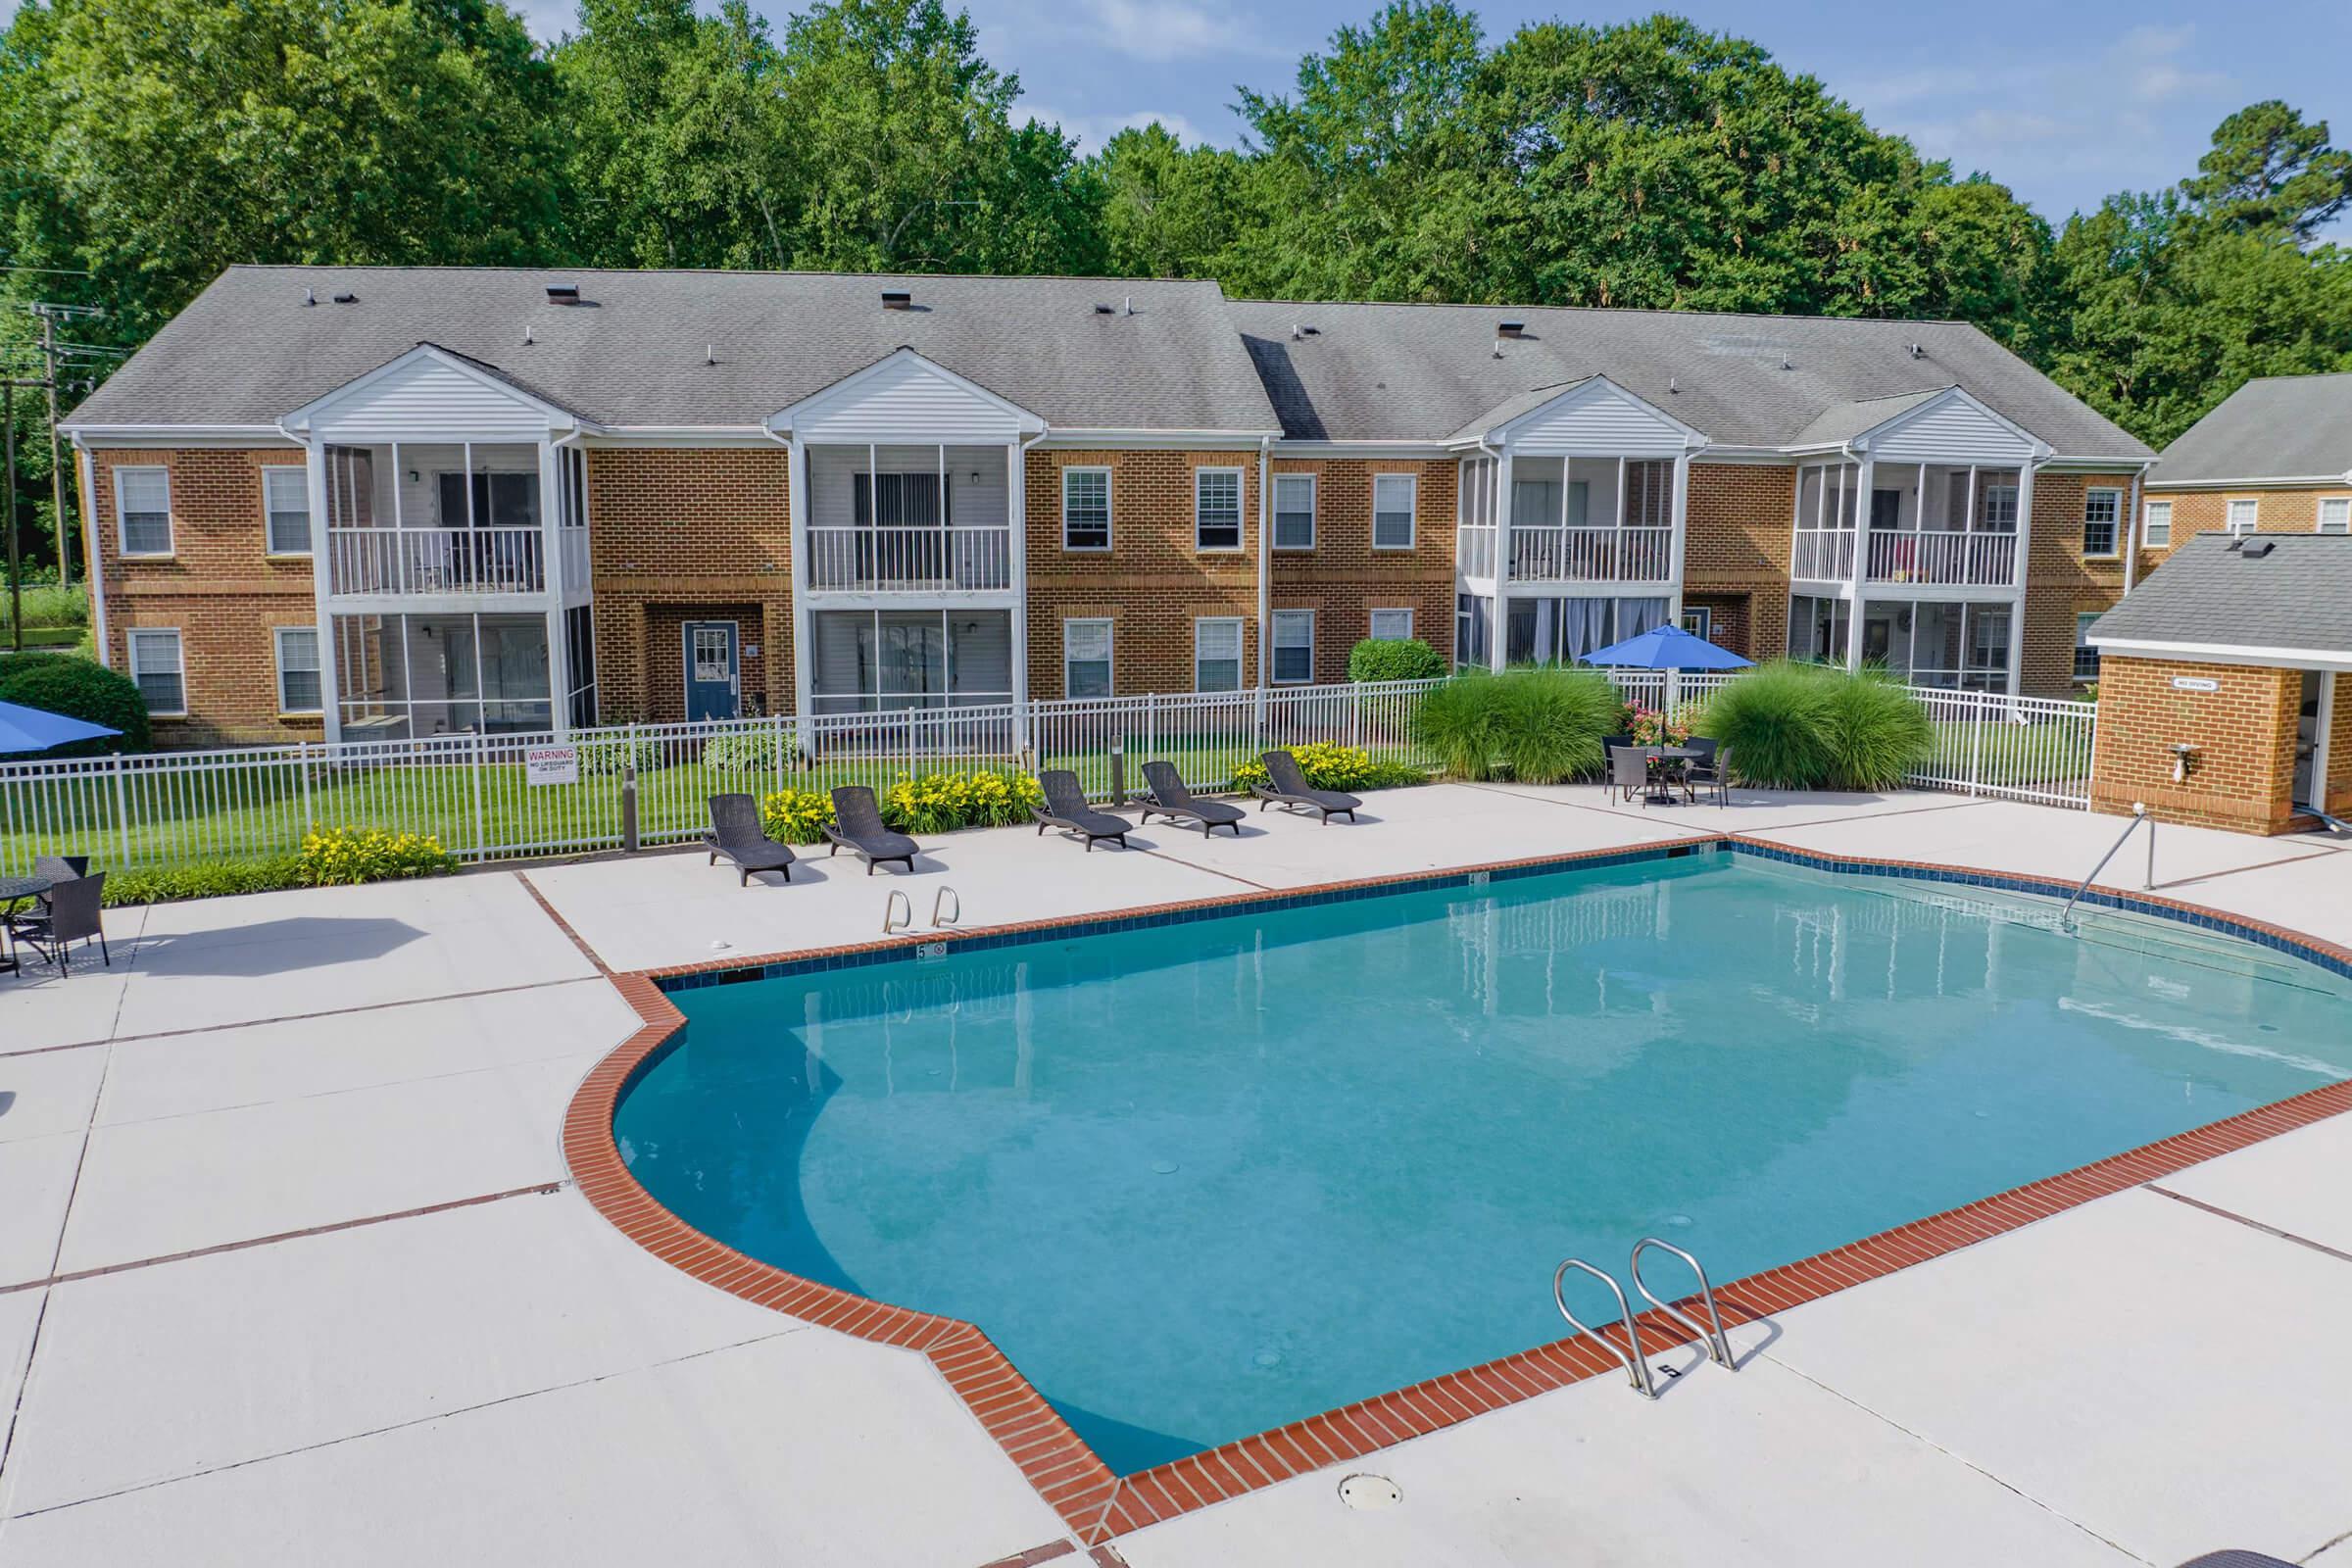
<point>2222,699</point>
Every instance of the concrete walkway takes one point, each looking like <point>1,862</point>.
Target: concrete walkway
<point>290,1272</point>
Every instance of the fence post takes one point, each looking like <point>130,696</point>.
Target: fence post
<point>1976,749</point>
<point>1356,716</point>
<point>121,808</point>
<point>481,833</point>
<point>779,723</point>
<point>302,760</point>
<point>1151,724</point>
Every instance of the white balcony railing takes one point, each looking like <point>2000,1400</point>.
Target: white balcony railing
<point>1823,555</point>
<point>434,560</point>
<point>1592,555</point>
<point>909,560</point>
<point>1956,560</point>
<point>1474,551</point>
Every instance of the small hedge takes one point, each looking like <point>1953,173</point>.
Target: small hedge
<point>919,803</point>
<point>744,752</point>
<point>1808,726</point>
<point>78,688</point>
<point>1539,724</point>
<point>202,879</point>
<point>335,857</point>
<point>1329,766</point>
<point>1392,658</point>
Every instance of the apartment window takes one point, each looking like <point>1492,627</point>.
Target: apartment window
<point>2159,531</point>
<point>2086,658</point>
<point>2244,516</point>
<point>1086,657</point>
<point>286,508</point>
<point>2001,509</point>
<point>2335,515</point>
<point>156,670</point>
<point>1294,511</point>
<point>143,511</point>
<point>1217,509</point>
<point>2102,510</point>
<point>298,669</point>
<point>503,500</point>
<point>1392,500</point>
<point>1217,654</point>
<point>907,501</point>
<point>1392,626</point>
<point>1086,509</point>
<point>1293,647</point>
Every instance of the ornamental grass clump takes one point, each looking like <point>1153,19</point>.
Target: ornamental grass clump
<point>1808,726</point>
<point>1539,725</point>
<point>1878,732</point>
<point>1457,724</point>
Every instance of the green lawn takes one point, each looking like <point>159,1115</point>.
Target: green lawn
<point>2043,756</point>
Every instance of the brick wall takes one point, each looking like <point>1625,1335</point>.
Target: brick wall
<point>2339,751</point>
<point>2279,510</point>
<point>2242,774</point>
<point>218,588</point>
<point>1343,579</point>
<point>2060,583</point>
<point>1736,552</point>
<point>683,534</point>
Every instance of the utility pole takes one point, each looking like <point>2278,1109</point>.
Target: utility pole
<point>16,584</point>
<point>51,314</point>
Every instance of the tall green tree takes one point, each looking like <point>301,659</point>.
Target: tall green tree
<point>2271,173</point>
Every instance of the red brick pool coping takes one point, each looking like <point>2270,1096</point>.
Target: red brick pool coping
<point>1098,1505</point>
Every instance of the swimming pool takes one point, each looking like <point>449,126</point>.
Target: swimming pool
<point>1200,1180</point>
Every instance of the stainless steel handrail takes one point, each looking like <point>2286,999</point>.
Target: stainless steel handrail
<point>897,901</point>
<point>2139,814</point>
<point>1636,1370</point>
<point>1718,1348</point>
<point>954,916</point>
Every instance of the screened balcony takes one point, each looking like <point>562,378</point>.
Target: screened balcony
<point>410,677</point>
<point>412,518</point>
<point>1572,520</point>
<point>909,519</point>
<point>889,660</point>
<point>1927,524</point>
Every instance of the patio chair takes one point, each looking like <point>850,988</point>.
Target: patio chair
<point>1171,800</point>
<point>736,832</point>
<point>1628,773</point>
<point>857,826</point>
<point>1611,745</point>
<point>72,915</point>
<point>1288,789</point>
<point>1066,809</point>
<point>1706,770</point>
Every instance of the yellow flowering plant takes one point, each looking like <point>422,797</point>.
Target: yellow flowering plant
<point>796,817</point>
<point>345,856</point>
<point>1327,765</point>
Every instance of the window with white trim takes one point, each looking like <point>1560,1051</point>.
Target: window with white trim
<point>1394,499</point>
<point>2335,515</point>
<point>1217,654</point>
<point>298,690</point>
<point>1699,620</point>
<point>156,670</point>
<point>2158,534</point>
<point>2086,658</point>
<point>1293,647</point>
<point>2102,514</point>
<point>1217,509</point>
<point>1294,511</point>
<point>286,508</point>
<point>2245,516</point>
<point>143,511</point>
<point>1392,626</point>
<point>1086,508</point>
<point>1086,657</point>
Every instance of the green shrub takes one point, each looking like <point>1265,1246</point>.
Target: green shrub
<point>1459,723</point>
<point>47,605</point>
<point>1541,724</point>
<point>202,879</point>
<point>607,757</point>
<point>796,817</point>
<point>1876,732</point>
<point>742,751</point>
<point>1392,658</point>
<point>78,688</point>
<point>1808,726</point>
<point>1329,766</point>
<point>344,857</point>
<point>942,802</point>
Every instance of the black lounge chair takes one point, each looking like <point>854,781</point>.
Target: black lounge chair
<point>1065,807</point>
<point>72,914</point>
<point>1288,789</point>
<point>857,826</point>
<point>735,831</point>
<point>1171,800</point>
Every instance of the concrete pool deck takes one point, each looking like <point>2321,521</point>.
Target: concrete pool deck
<point>292,1269</point>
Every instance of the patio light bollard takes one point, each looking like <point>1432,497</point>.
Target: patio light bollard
<point>628,799</point>
<point>1118,773</point>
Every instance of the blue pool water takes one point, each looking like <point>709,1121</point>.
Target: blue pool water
<point>1200,1180</point>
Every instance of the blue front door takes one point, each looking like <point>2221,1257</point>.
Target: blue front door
<point>711,683</point>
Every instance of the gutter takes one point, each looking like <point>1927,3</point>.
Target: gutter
<point>1265,564</point>
<point>2131,533</point>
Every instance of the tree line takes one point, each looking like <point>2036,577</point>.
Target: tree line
<point>146,144</point>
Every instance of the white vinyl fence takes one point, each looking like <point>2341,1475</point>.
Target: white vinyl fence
<point>474,792</point>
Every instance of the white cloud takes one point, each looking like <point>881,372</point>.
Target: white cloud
<point>1155,31</point>
<point>1092,130</point>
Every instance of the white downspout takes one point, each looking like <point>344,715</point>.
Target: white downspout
<point>1265,570</point>
<point>2132,531</point>
<point>94,569</point>
<point>796,502</point>
<point>1017,507</point>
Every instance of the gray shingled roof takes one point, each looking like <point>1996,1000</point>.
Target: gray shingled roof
<point>248,351</point>
<point>2280,427</point>
<point>1423,371</point>
<point>2297,595</point>
<point>1843,422</point>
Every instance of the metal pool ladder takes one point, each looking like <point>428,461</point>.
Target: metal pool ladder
<point>1629,1356</point>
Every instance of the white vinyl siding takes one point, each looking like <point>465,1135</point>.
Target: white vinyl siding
<point>1293,647</point>
<point>1392,626</point>
<point>2159,531</point>
<point>1294,511</point>
<point>286,508</point>
<point>2335,515</point>
<point>1086,658</point>
<point>298,669</point>
<point>1217,509</point>
<point>2102,520</point>
<point>1394,498</point>
<point>1086,508</point>
<point>1217,654</point>
<point>143,511</point>
<point>156,670</point>
<point>2244,516</point>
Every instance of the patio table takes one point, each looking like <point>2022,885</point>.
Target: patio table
<point>1664,795</point>
<point>13,891</point>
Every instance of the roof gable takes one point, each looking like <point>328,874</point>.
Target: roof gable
<point>1591,416</point>
<point>1950,426</point>
<point>428,392</point>
<point>904,391</point>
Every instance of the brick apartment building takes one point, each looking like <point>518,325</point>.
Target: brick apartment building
<point>393,502</point>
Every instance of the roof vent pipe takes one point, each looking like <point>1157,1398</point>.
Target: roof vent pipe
<point>709,354</point>
<point>310,296</point>
<point>898,299</point>
<point>1127,306</point>
<point>1674,384</point>
<point>527,338</point>
<point>1917,351</point>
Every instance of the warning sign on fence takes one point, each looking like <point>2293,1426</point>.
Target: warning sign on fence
<point>552,764</point>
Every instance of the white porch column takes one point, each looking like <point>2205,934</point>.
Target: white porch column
<point>1017,522</point>
<point>803,653</point>
<point>1679,515</point>
<point>322,587</point>
<point>1863,481</point>
<point>550,549</point>
<point>1498,609</point>
<point>2017,589</point>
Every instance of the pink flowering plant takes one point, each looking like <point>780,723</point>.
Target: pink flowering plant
<point>1651,726</point>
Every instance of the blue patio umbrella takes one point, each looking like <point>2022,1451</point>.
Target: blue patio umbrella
<point>35,729</point>
<point>1667,648</point>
